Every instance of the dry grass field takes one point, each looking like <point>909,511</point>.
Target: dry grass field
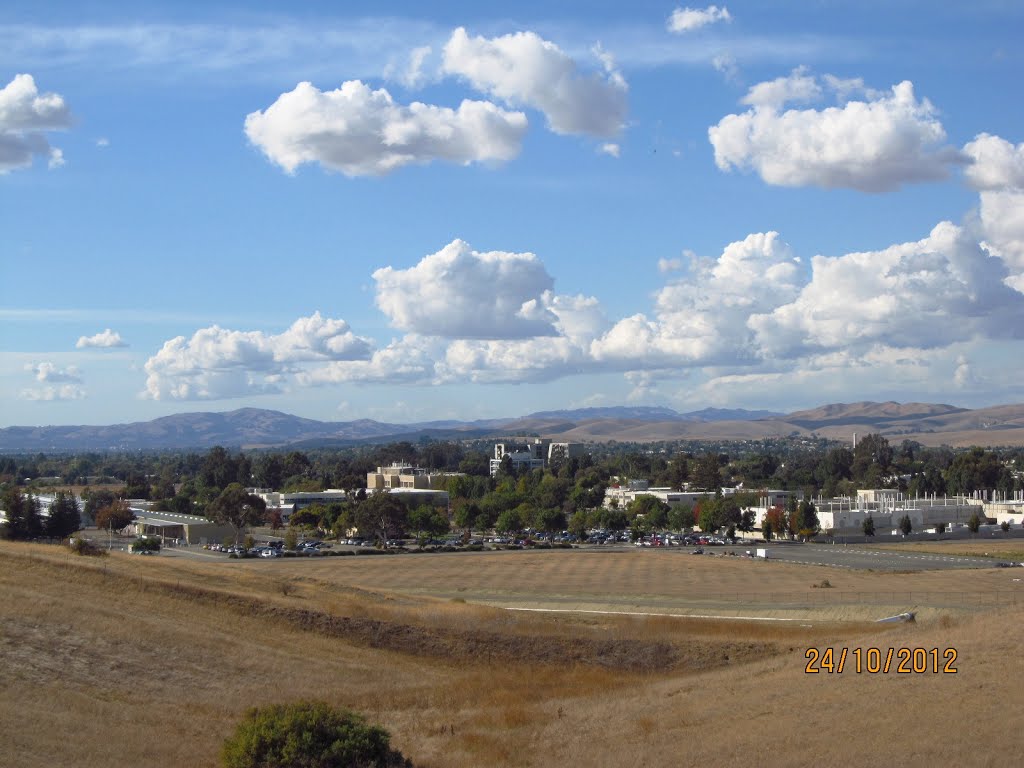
<point>128,661</point>
<point>998,549</point>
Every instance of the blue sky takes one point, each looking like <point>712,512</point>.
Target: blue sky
<point>410,212</point>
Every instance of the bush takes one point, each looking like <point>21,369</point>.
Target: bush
<point>309,735</point>
<point>146,544</point>
<point>83,546</point>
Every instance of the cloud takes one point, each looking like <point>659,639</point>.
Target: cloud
<point>61,383</point>
<point>25,115</point>
<point>702,318</point>
<point>725,63</point>
<point>1001,216</point>
<point>48,373</point>
<point>873,145</point>
<point>104,340</point>
<point>689,19</point>
<point>362,132</point>
<point>49,394</point>
<point>525,70</point>
<point>996,170</point>
<point>773,94</point>
<point>409,360</point>
<point>461,293</point>
<point>927,294</point>
<point>996,164</point>
<point>219,363</point>
<point>610,149</point>
<point>670,265</point>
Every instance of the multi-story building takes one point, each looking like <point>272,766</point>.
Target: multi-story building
<point>533,455</point>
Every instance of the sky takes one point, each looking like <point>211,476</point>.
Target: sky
<point>455,210</point>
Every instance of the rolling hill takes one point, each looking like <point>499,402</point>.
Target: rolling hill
<point>927,423</point>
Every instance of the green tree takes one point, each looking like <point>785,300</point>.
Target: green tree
<point>508,521</point>
<point>428,521</point>
<point>578,524</point>
<point>614,519</point>
<point>653,510</point>
<point>549,519</point>
<point>680,517</point>
<point>708,474</point>
<point>96,500</point>
<point>746,523</point>
<point>808,519</point>
<point>905,525</point>
<point>307,517</point>
<point>974,470</point>
<point>872,451</point>
<point>24,521</point>
<point>869,526</point>
<point>382,514</point>
<point>766,530</point>
<point>308,735</point>
<point>237,508</point>
<point>974,524</point>
<point>291,538</point>
<point>63,519</point>
<point>465,516</point>
<point>1005,526</point>
<point>940,528</point>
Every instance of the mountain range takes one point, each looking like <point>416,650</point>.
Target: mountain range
<point>927,423</point>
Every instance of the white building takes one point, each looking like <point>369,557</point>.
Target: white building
<point>537,454</point>
<point>887,507</point>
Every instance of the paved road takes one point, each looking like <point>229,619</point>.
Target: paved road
<point>838,556</point>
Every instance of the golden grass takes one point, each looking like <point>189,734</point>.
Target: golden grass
<point>998,549</point>
<point>135,661</point>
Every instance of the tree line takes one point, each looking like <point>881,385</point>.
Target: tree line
<point>567,495</point>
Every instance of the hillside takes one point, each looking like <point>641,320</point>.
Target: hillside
<point>930,424</point>
<point>163,646</point>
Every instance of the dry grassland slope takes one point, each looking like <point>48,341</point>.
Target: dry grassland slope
<point>150,661</point>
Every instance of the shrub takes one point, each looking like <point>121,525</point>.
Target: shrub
<point>146,544</point>
<point>308,735</point>
<point>83,546</point>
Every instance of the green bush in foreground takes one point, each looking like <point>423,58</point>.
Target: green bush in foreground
<point>309,735</point>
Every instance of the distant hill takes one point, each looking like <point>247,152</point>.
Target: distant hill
<point>639,412</point>
<point>242,427</point>
<point>928,423</point>
<point>649,413</point>
<point>730,414</point>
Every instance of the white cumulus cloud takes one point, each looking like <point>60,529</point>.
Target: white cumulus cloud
<point>461,293</point>
<point>926,294</point>
<point>997,171</point>
<point>409,360</point>
<point>359,131</point>
<point>525,70</point>
<point>996,164</point>
<point>104,340</point>
<point>25,116</point>
<point>220,363</point>
<point>875,144</point>
<point>689,19</point>
<point>702,319</point>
